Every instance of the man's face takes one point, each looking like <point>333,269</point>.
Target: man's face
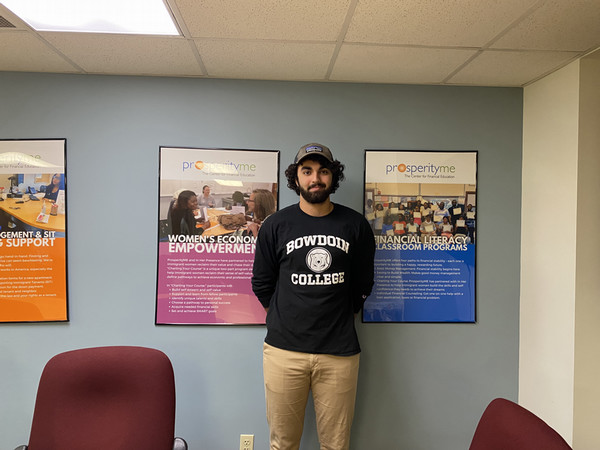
<point>314,181</point>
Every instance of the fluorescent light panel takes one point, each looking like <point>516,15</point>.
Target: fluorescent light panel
<point>96,16</point>
<point>229,183</point>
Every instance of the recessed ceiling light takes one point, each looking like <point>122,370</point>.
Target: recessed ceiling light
<point>96,16</point>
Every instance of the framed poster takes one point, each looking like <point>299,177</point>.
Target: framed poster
<point>211,205</point>
<point>33,233</point>
<point>422,208</point>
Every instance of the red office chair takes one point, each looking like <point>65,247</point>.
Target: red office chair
<point>505,425</point>
<point>117,398</point>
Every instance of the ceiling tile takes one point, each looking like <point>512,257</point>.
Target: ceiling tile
<point>384,64</point>
<point>509,68</point>
<point>467,23</point>
<point>21,51</point>
<point>572,25</point>
<point>13,19</point>
<point>310,20</point>
<point>265,60</point>
<point>127,54</point>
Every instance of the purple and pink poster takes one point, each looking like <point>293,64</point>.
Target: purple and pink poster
<point>211,204</point>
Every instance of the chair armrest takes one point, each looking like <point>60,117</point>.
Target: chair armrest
<point>178,444</point>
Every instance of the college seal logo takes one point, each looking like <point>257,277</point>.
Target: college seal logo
<point>318,259</point>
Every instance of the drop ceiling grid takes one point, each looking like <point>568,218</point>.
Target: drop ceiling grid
<point>470,42</point>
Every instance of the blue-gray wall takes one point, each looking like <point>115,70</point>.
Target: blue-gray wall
<point>421,386</point>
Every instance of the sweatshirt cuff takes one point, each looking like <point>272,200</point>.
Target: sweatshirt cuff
<point>265,301</point>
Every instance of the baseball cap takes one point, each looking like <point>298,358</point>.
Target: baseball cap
<point>313,149</point>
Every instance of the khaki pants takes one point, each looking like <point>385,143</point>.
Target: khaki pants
<point>289,376</point>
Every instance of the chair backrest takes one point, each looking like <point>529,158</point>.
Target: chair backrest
<point>116,398</point>
<point>505,425</point>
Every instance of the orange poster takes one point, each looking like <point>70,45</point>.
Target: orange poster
<point>33,269</point>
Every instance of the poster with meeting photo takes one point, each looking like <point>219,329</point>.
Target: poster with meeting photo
<point>212,203</point>
<point>33,232</point>
<point>422,208</point>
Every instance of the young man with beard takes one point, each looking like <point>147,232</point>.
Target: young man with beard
<point>313,270</point>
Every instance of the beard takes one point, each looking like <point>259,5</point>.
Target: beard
<point>315,197</point>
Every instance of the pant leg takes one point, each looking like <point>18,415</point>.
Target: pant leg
<point>287,383</point>
<point>334,392</point>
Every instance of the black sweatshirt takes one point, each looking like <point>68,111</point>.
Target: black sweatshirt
<point>313,273</point>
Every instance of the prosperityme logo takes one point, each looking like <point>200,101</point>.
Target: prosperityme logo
<point>415,169</point>
<point>228,167</point>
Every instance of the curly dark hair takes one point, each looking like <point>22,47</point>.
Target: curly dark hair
<point>336,167</point>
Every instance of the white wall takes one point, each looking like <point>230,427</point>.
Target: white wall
<point>559,366</point>
<point>587,311</point>
<point>548,247</point>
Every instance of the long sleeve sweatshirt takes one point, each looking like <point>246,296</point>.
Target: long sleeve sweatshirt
<point>314,273</point>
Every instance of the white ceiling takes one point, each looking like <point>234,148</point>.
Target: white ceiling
<point>448,42</point>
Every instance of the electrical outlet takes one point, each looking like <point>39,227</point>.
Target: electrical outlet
<point>246,442</point>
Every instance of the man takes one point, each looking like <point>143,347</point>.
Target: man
<point>456,210</point>
<point>313,270</point>
<point>427,229</point>
<point>440,213</point>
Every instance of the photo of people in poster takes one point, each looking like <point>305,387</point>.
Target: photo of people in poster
<point>422,208</point>
<point>33,285</point>
<point>212,203</point>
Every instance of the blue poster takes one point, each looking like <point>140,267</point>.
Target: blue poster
<point>422,208</point>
